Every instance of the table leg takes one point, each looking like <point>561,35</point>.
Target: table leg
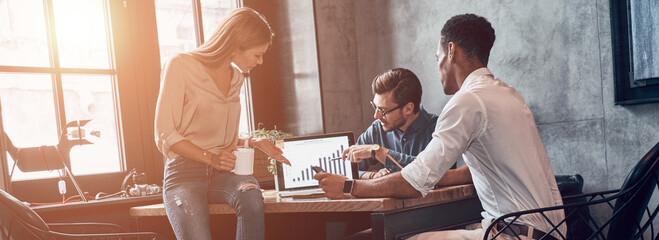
<point>414,220</point>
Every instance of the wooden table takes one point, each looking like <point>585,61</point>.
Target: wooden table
<point>390,217</point>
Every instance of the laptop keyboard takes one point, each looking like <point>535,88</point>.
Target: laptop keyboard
<point>299,192</point>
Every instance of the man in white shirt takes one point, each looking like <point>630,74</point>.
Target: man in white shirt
<point>489,125</point>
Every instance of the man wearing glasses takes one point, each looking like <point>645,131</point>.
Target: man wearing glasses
<point>402,128</point>
<point>486,123</point>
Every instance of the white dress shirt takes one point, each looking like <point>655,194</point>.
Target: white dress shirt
<point>191,107</point>
<point>488,123</point>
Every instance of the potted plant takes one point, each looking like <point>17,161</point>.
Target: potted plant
<point>272,135</point>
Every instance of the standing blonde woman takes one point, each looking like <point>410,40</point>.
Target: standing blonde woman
<point>196,128</point>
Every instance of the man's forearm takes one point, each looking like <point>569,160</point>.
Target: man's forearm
<point>457,176</point>
<point>392,185</point>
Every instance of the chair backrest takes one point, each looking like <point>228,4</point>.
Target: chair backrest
<point>42,158</point>
<point>13,211</point>
<point>637,190</point>
<point>32,159</point>
<point>4,173</point>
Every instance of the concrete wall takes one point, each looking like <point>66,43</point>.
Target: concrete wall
<point>285,91</point>
<point>337,60</point>
<point>556,53</point>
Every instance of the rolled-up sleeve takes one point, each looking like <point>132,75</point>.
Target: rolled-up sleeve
<point>169,109</point>
<point>461,121</point>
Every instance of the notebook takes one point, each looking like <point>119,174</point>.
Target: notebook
<point>304,152</point>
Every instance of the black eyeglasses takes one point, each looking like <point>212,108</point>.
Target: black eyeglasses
<point>384,114</point>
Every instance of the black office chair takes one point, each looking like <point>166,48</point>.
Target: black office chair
<point>18,221</point>
<point>631,217</point>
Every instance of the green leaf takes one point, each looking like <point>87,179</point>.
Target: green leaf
<point>272,135</point>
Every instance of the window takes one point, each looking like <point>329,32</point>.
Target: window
<point>635,50</point>
<point>179,32</point>
<point>56,66</point>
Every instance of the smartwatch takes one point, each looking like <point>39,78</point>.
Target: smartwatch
<point>347,186</point>
<point>374,148</point>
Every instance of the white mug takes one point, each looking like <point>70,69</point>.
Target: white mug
<point>244,161</point>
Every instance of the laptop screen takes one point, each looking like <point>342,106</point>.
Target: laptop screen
<point>318,150</point>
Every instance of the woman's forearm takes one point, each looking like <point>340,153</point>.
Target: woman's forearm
<point>189,150</point>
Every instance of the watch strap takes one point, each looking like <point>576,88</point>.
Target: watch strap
<point>347,186</point>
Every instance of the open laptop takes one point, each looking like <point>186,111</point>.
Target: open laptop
<point>304,152</point>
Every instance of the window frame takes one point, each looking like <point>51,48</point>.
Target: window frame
<point>56,73</point>
<point>135,70</point>
<point>622,56</point>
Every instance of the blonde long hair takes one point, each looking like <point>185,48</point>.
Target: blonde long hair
<point>243,28</point>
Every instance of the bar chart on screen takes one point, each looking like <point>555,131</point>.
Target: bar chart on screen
<point>314,152</point>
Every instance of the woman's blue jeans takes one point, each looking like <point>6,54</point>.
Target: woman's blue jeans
<point>189,186</point>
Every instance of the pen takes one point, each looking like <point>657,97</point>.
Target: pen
<point>392,159</point>
<point>389,156</point>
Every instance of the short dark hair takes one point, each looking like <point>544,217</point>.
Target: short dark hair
<point>403,83</point>
<point>473,33</point>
